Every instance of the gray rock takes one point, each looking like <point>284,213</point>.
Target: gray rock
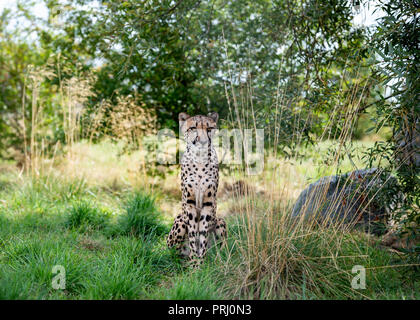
<point>351,198</point>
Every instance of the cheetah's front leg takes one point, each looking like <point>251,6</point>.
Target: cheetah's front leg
<point>178,232</point>
<point>206,217</point>
<point>192,227</point>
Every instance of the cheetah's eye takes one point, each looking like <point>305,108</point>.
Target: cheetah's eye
<point>192,128</point>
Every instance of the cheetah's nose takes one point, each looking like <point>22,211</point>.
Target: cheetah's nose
<point>201,140</point>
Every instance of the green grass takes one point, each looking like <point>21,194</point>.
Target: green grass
<point>83,215</point>
<point>141,217</point>
<point>112,246</point>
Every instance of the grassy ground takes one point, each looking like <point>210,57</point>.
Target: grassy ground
<point>106,223</point>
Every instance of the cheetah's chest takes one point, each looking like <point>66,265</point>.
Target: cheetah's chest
<point>201,176</point>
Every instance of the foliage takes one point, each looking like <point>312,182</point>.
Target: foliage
<point>17,56</point>
<point>292,67</point>
<point>396,48</point>
<point>290,58</point>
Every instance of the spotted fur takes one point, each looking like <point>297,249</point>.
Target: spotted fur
<point>199,183</point>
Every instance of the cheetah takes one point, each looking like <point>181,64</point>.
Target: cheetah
<point>197,224</point>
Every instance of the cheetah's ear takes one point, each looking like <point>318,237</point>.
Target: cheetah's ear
<point>214,116</point>
<point>183,116</point>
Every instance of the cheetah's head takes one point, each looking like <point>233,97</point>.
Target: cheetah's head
<point>198,130</point>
